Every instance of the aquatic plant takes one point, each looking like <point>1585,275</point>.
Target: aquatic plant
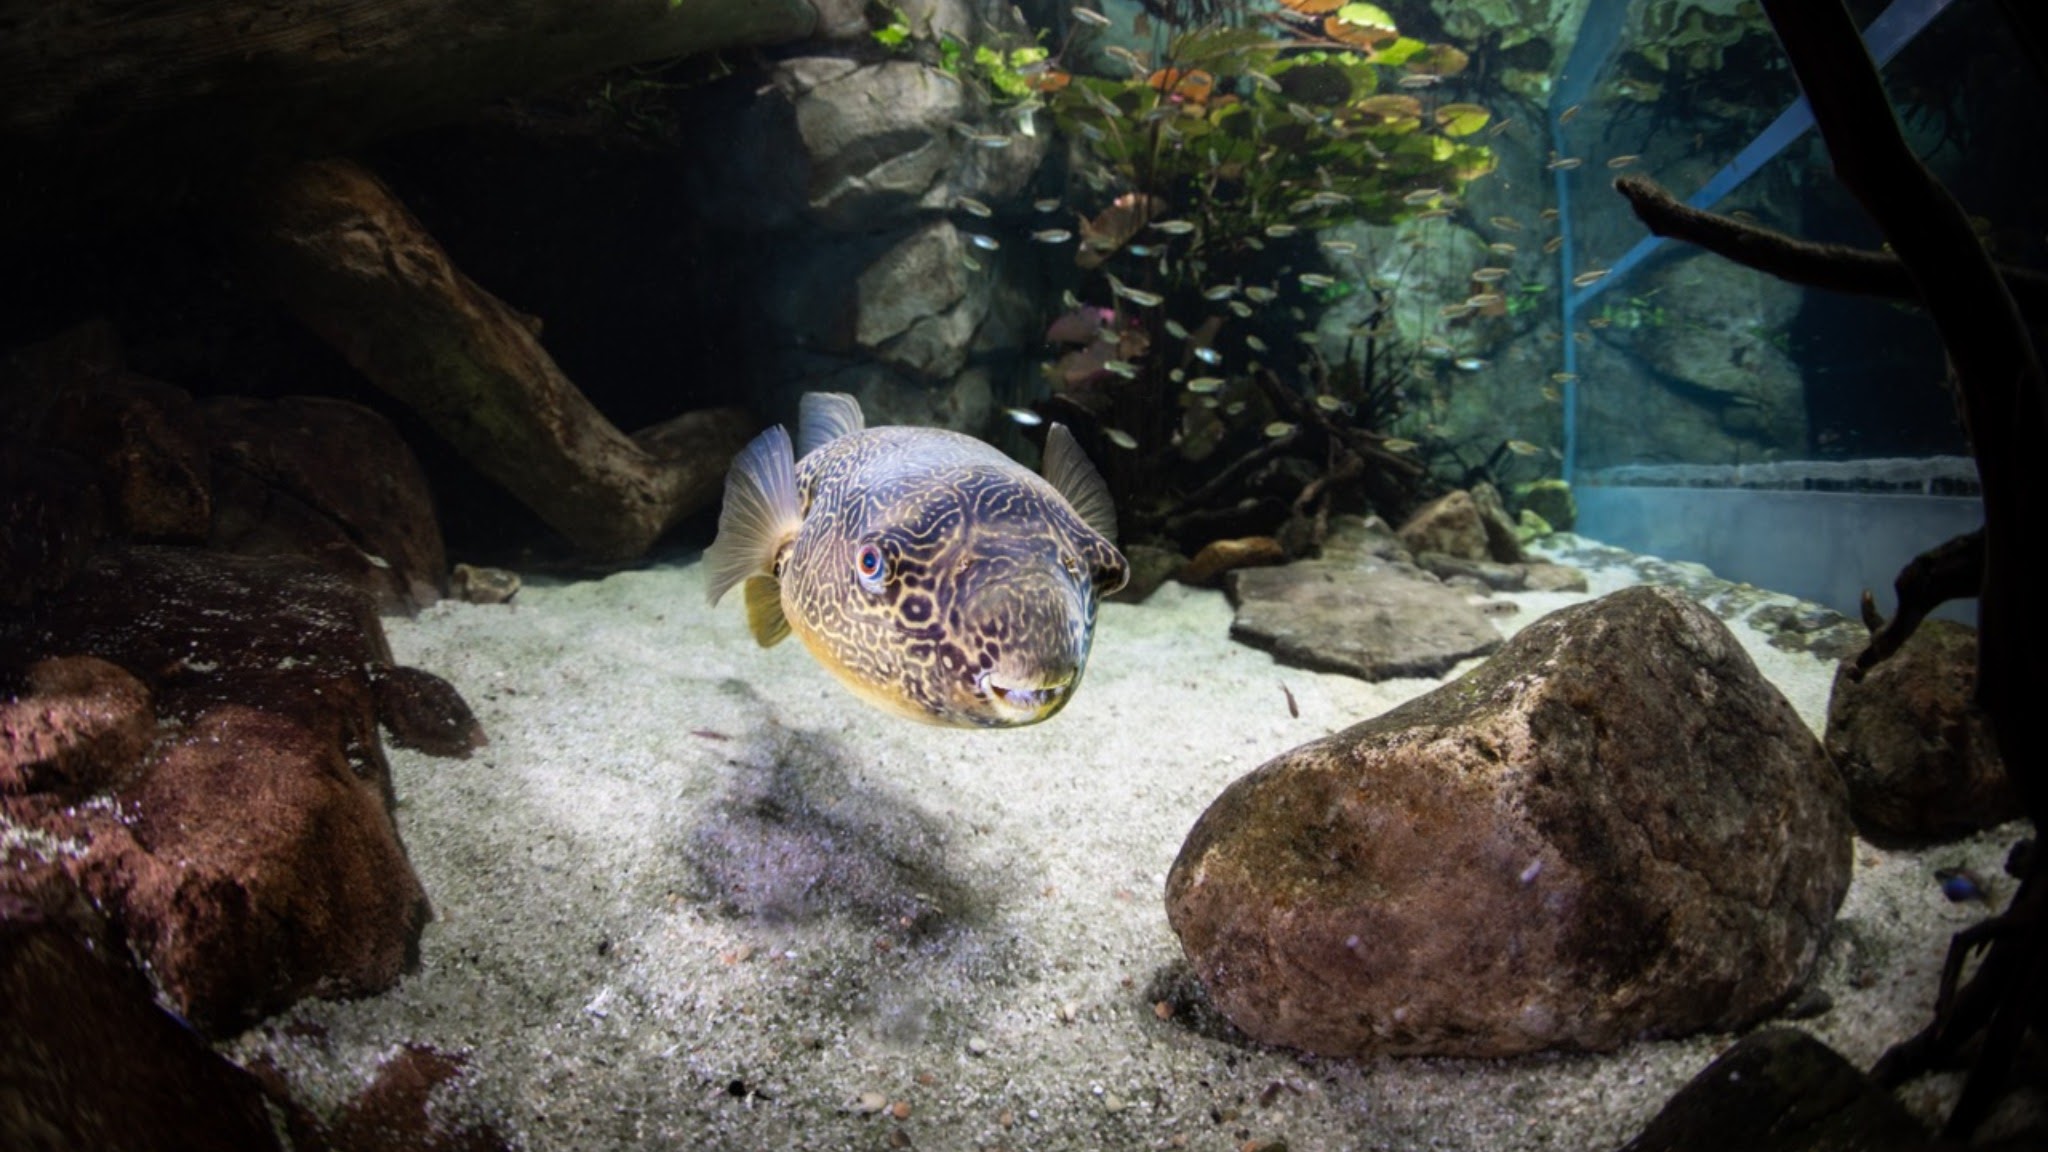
<point>1226,162</point>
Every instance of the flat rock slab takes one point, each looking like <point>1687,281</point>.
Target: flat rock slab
<point>1372,621</point>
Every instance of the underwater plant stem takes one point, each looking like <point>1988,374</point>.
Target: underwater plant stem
<point>1999,384</point>
<point>1834,267</point>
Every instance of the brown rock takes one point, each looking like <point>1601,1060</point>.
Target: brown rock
<point>1220,556</point>
<point>248,856</point>
<point>1544,576</point>
<point>1373,621</point>
<point>479,585</point>
<point>1503,540</point>
<point>1449,524</point>
<point>1918,757</point>
<point>1150,567</point>
<point>79,721</point>
<point>1614,828</point>
<point>1781,1090</point>
<point>90,1062</point>
<point>331,481</point>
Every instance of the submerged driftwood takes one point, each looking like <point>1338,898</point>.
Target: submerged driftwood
<point>359,270</point>
<point>110,92</point>
<point>1997,374</point>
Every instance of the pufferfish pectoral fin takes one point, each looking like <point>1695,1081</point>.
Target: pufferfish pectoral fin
<point>764,611</point>
<point>1068,470</point>
<point>822,417</point>
<point>760,517</point>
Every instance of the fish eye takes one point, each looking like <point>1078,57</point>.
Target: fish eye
<point>870,567</point>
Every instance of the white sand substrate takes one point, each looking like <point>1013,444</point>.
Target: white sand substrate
<point>695,895</point>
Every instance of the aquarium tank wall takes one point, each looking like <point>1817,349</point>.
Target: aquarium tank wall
<point>1793,438</point>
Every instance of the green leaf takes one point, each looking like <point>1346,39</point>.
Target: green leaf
<point>1462,119</point>
<point>894,36</point>
<point>1366,16</point>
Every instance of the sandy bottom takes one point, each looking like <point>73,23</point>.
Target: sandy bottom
<point>694,894</point>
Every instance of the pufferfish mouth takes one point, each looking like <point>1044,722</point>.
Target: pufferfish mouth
<point>1019,702</point>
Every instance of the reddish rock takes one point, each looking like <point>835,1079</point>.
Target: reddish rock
<point>90,1062</point>
<point>51,518</point>
<point>331,480</point>
<point>149,446</point>
<point>395,1113</point>
<point>1918,757</point>
<point>1613,828</point>
<point>1449,524</point>
<point>79,721</point>
<point>424,712</point>
<point>248,854</point>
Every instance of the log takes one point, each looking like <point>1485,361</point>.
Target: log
<point>124,102</point>
<point>334,243</point>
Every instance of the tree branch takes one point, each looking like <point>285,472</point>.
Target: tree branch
<point>1834,267</point>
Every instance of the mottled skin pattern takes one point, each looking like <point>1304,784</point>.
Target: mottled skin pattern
<point>988,603</point>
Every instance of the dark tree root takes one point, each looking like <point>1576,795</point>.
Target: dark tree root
<point>1951,571</point>
<point>1981,312</point>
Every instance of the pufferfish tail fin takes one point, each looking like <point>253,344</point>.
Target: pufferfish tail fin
<point>823,417</point>
<point>761,516</point>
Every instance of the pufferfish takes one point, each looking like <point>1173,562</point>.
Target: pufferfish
<point>930,573</point>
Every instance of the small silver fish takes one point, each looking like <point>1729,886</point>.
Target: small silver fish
<point>1052,236</point>
<point>1049,204</point>
<point>986,243</point>
<point>1090,17</point>
<point>1209,356</point>
<point>1260,294</point>
<point>1316,280</point>
<point>973,207</point>
<point>1176,329</point>
<point>1174,227</point>
<point>1024,416</point>
<point>839,547</point>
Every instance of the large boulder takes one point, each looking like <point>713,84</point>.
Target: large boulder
<point>189,741</point>
<point>1919,758</point>
<point>1614,828</point>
